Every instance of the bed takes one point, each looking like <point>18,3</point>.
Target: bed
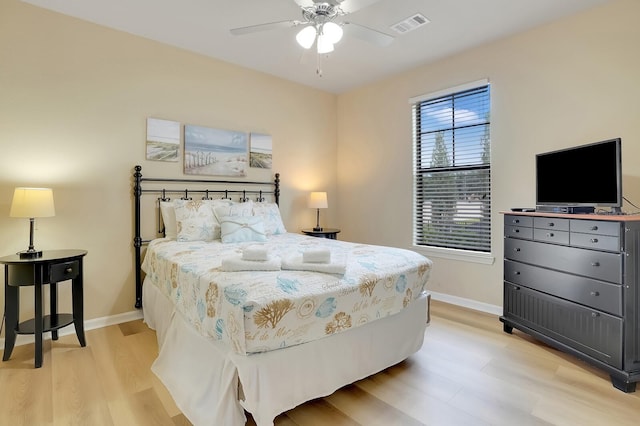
<point>238,333</point>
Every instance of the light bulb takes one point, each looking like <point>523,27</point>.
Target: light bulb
<point>332,31</point>
<point>306,36</point>
<point>324,44</point>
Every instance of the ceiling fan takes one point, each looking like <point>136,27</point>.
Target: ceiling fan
<point>319,27</point>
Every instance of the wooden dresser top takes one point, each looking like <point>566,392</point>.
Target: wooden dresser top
<point>592,216</point>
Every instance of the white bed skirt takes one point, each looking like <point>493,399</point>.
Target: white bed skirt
<point>202,374</point>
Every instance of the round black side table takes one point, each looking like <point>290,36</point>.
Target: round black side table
<point>330,233</point>
<point>52,267</point>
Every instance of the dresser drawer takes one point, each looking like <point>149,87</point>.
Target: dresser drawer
<point>518,232</point>
<point>518,220</point>
<point>589,331</point>
<point>553,223</point>
<point>585,291</point>
<point>588,263</point>
<point>598,227</point>
<point>551,236</point>
<point>63,271</point>
<point>595,241</point>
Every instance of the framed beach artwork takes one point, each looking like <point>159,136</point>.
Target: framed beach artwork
<point>216,152</point>
<point>260,154</point>
<point>163,139</point>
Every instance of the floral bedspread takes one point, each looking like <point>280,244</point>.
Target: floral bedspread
<point>257,311</point>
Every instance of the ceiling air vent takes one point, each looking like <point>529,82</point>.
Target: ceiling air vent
<point>410,24</point>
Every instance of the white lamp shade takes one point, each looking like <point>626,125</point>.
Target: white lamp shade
<point>32,202</point>
<point>306,36</point>
<point>332,31</point>
<point>318,200</point>
<point>324,44</point>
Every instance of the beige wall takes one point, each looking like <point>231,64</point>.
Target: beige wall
<point>571,82</point>
<point>74,98</point>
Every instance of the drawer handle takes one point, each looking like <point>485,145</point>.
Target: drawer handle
<point>517,249</point>
<point>68,270</point>
<point>552,224</point>
<point>594,240</point>
<point>516,231</point>
<point>516,221</point>
<point>516,273</point>
<point>595,264</point>
<point>595,293</point>
<point>595,314</point>
<point>594,228</point>
<point>550,234</point>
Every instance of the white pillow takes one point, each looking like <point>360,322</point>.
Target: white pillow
<point>214,204</point>
<point>233,209</point>
<point>196,220</point>
<point>169,219</point>
<point>241,229</point>
<point>270,214</point>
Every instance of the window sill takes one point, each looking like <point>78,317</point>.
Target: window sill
<point>455,254</point>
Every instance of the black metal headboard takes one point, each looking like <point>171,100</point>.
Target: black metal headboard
<point>244,190</point>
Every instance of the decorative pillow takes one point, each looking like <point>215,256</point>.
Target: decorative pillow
<point>240,229</point>
<point>169,219</point>
<point>270,214</point>
<point>214,205</point>
<point>233,209</point>
<point>195,220</point>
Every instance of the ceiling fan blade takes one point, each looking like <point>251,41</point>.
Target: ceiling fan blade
<point>263,27</point>
<point>367,34</point>
<point>350,6</point>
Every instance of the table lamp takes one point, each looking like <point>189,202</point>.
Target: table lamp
<point>318,200</point>
<point>32,203</point>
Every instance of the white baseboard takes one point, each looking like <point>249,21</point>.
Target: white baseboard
<point>23,339</point>
<point>467,303</point>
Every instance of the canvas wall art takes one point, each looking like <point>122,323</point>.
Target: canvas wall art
<point>217,152</point>
<point>260,151</point>
<point>163,140</point>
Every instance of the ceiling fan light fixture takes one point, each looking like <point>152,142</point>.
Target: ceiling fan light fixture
<point>332,31</point>
<point>306,36</point>
<point>324,44</point>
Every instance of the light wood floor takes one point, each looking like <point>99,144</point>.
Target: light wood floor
<point>468,373</point>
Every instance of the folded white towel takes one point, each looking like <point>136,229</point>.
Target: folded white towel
<point>338,266</point>
<point>316,255</point>
<point>255,252</point>
<point>236,263</point>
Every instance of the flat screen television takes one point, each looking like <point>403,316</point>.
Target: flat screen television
<point>587,175</point>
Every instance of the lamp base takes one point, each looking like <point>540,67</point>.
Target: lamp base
<point>317,228</point>
<point>30,254</point>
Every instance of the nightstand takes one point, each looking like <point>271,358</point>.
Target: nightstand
<point>329,233</point>
<point>52,267</point>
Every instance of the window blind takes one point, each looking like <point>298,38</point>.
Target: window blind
<point>452,178</point>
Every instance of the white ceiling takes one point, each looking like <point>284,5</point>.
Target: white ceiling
<point>203,26</point>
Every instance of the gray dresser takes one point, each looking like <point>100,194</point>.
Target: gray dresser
<point>572,282</point>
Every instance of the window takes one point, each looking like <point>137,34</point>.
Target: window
<point>452,177</point>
